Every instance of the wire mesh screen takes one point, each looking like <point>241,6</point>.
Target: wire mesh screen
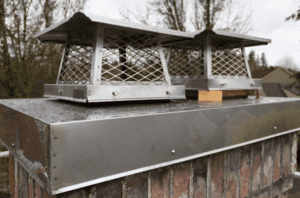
<point>76,63</point>
<point>185,63</point>
<point>228,60</point>
<point>131,58</point>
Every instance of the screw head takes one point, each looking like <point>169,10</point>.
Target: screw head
<point>55,154</point>
<point>275,127</point>
<point>167,92</point>
<point>173,152</point>
<point>13,144</point>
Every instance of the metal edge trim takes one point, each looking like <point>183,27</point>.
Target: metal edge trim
<point>161,113</point>
<point>232,34</point>
<point>297,175</point>
<point>136,99</point>
<point>238,88</point>
<point>52,27</point>
<point>124,174</point>
<point>25,113</point>
<point>51,157</point>
<point>119,23</point>
<point>65,98</point>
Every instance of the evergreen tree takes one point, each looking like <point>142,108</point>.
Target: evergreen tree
<point>257,61</point>
<point>252,62</point>
<point>263,60</point>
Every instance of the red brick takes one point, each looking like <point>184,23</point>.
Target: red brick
<point>71,194</point>
<point>277,158</point>
<point>265,193</point>
<point>232,167</point>
<point>137,186</point>
<point>217,175</point>
<point>283,195</point>
<point>294,152</point>
<point>282,185</point>
<point>30,188</point>
<point>160,183</point>
<point>181,180</point>
<point>267,163</point>
<point>286,155</point>
<point>109,189</point>
<point>200,177</point>
<point>37,190</point>
<point>256,166</point>
<point>22,181</point>
<point>12,181</point>
<point>245,171</point>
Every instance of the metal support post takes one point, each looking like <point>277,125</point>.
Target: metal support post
<point>246,60</point>
<point>207,56</point>
<point>62,60</point>
<point>163,60</point>
<point>97,55</point>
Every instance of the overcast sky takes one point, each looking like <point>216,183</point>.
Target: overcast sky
<point>268,21</point>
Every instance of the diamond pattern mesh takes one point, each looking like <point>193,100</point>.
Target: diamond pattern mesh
<point>76,65</point>
<point>130,59</point>
<point>227,60</point>
<point>185,63</point>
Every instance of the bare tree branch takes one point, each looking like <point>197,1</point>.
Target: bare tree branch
<point>294,16</point>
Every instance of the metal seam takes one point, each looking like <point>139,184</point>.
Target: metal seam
<point>239,173</point>
<point>191,187</point>
<point>251,170</point>
<point>225,174</point>
<point>208,176</point>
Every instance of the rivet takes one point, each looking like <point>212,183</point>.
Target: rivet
<point>115,93</point>
<point>173,152</point>
<point>55,154</point>
<point>13,145</point>
<point>275,127</point>
<point>223,84</point>
<point>167,92</point>
<point>252,84</point>
<point>55,178</point>
<point>54,167</point>
<point>55,138</point>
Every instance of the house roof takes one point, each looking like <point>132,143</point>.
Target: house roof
<point>293,87</point>
<point>275,71</point>
<point>58,32</point>
<point>273,90</point>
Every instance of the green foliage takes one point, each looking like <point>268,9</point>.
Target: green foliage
<point>25,63</point>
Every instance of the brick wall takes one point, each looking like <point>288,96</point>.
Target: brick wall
<point>263,169</point>
<point>4,176</point>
